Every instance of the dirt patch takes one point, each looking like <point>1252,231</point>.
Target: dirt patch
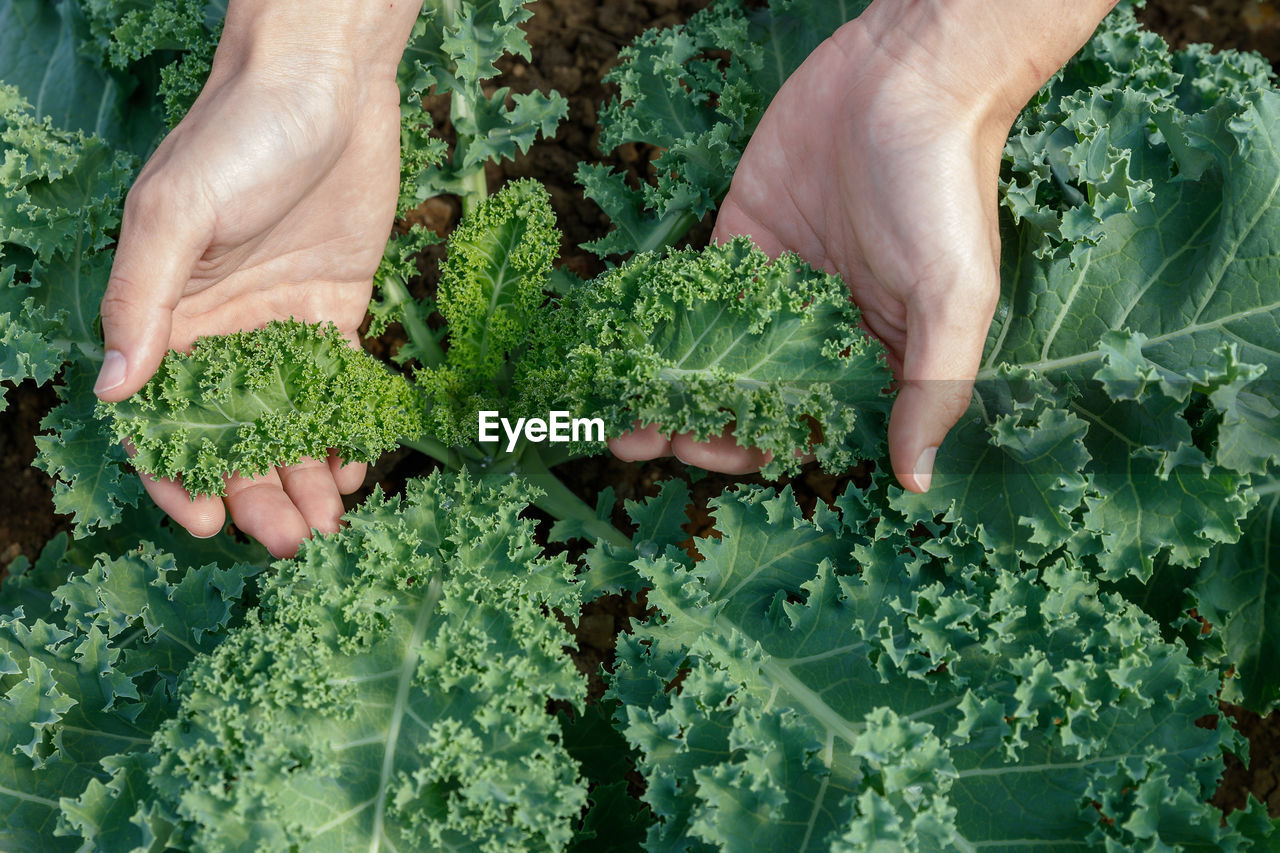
<point>1237,24</point>
<point>27,520</point>
<point>1262,776</point>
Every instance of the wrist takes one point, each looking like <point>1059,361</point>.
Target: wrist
<point>357,40</point>
<point>988,58</point>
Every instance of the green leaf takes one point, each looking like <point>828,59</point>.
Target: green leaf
<point>173,40</point>
<point>615,821</point>
<point>491,293</point>
<point>26,353</point>
<point>453,51</point>
<point>59,208</point>
<point>393,303</point>
<point>696,341</point>
<point>658,523</point>
<point>1022,467</point>
<point>697,91</point>
<point>85,684</point>
<point>1141,233</point>
<point>807,688</point>
<point>1237,591</point>
<point>40,54</point>
<point>249,401</point>
<point>93,480</point>
<point>491,282</point>
<point>391,693</point>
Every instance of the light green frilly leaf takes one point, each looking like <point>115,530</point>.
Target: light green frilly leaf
<point>698,340</point>
<point>390,693</point>
<point>249,401</point>
<point>491,294</point>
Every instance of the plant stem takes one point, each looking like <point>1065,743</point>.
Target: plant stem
<point>561,503</point>
<point>473,188</point>
<point>415,326</point>
<point>668,232</point>
<point>435,449</point>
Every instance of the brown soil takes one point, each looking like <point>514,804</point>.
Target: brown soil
<point>1238,24</point>
<point>27,520</point>
<point>574,42</point>
<point>1261,777</point>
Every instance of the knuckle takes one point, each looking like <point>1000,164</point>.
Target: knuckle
<point>145,199</point>
<point>119,299</point>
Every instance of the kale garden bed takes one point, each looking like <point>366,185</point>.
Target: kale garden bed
<point>199,746</point>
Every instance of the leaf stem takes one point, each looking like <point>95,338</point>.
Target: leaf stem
<point>473,187</point>
<point>415,326</point>
<point>435,449</point>
<point>668,231</point>
<point>562,503</point>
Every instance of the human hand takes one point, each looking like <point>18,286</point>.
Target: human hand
<point>272,199</point>
<point>879,160</point>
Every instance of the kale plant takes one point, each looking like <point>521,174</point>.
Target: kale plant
<point>1028,656</point>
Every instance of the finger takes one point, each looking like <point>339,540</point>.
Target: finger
<point>348,475</point>
<point>260,507</point>
<point>943,351</point>
<point>202,517</point>
<point>641,444</point>
<point>722,453</point>
<point>311,487</point>
<point>159,245</point>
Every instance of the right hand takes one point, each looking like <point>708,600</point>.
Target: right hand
<point>272,199</point>
<point>879,159</point>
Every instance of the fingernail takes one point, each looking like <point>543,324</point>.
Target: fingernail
<point>924,468</point>
<point>112,373</point>
<point>207,535</point>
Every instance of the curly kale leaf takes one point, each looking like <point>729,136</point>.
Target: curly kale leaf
<point>697,92</point>
<point>393,303</point>
<point>89,668</point>
<point>390,693</point>
<point>59,208</point>
<point>93,482</point>
<point>172,39</point>
<point>43,55</point>
<point>453,50</point>
<point>698,340</point>
<point>1139,245</point>
<point>826,684</point>
<point>491,295</point>
<point>492,280</point>
<point>246,402</point>
<point>93,65</point>
<point>1237,591</point>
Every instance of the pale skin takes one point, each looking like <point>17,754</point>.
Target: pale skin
<point>877,160</point>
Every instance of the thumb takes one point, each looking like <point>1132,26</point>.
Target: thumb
<point>942,354</point>
<point>157,250</point>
